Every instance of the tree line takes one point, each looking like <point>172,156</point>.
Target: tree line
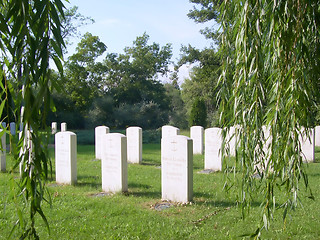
<point>125,89</point>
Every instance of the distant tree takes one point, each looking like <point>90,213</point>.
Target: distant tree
<point>132,77</point>
<point>71,21</point>
<point>177,114</point>
<point>198,114</point>
<point>84,76</point>
<point>203,76</point>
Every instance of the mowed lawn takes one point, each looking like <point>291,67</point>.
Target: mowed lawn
<point>84,212</point>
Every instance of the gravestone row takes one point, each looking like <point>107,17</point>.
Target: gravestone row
<point>116,149</point>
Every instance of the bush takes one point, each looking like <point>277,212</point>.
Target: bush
<point>146,115</point>
<point>198,114</point>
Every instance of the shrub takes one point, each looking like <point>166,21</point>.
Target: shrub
<point>198,114</point>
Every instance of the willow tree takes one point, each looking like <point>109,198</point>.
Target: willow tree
<point>30,37</point>
<point>270,74</point>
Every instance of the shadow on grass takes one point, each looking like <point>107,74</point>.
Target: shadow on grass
<point>86,180</point>
<point>150,163</point>
<point>207,199</point>
<point>145,194</point>
<point>143,190</point>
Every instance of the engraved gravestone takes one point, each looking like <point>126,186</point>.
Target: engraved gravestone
<point>63,127</point>
<point>114,163</point>
<point>196,134</point>
<point>168,131</point>
<point>66,157</point>
<point>134,144</point>
<point>54,127</point>
<point>99,131</point>
<point>3,151</point>
<point>177,169</point>
<point>212,155</point>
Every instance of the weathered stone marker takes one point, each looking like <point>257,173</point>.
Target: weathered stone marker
<point>66,157</point>
<point>99,131</point>
<point>3,152</point>
<point>177,169</point>
<point>63,127</point>
<point>168,131</point>
<point>54,127</point>
<point>134,144</point>
<point>114,163</point>
<point>196,134</point>
<point>212,155</point>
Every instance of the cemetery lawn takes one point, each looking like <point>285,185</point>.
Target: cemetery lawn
<point>84,212</point>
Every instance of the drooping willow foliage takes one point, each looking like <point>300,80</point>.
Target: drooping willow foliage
<point>30,37</point>
<point>270,77</point>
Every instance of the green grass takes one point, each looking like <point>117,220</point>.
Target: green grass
<point>79,212</point>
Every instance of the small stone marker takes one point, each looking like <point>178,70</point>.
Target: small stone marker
<point>212,155</point>
<point>13,128</point>
<point>63,127</point>
<point>99,133</point>
<point>134,144</point>
<point>3,152</point>
<point>114,163</point>
<point>308,146</point>
<point>66,157</point>
<point>317,136</point>
<point>196,134</point>
<point>168,131</point>
<point>54,127</point>
<point>177,169</point>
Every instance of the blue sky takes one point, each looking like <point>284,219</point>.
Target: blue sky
<point>119,22</point>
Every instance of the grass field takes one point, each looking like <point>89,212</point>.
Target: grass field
<point>84,212</point>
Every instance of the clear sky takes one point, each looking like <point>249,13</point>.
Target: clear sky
<point>119,22</point>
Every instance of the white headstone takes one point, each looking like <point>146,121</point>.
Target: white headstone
<point>26,147</point>
<point>196,134</point>
<point>307,146</point>
<point>317,136</point>
<point>63,127</point>
<point>66,157</point>
<point>177,169</point>
<point>168,131</point>
<point>134,144</point>
<point>54,127</point>
<point>213,154</point>
<point>13,128</point>
<point>114,163</point>
<point>99,133</point>
<point>3,152</point>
